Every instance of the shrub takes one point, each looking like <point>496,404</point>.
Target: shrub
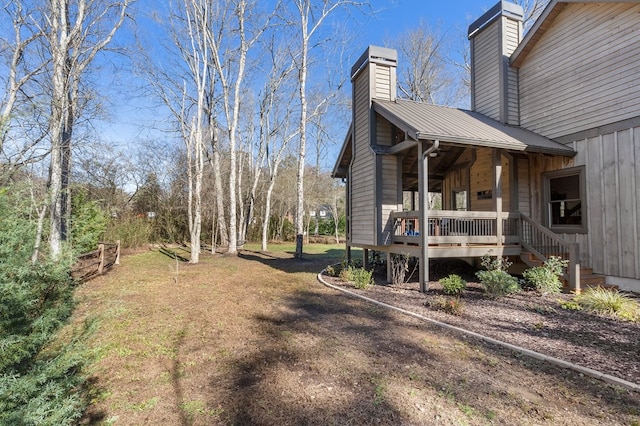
<point>609,302</point>
<point>39,383</point>
<point>498,283</point>
<point>331,271</point>
<point>450,305</point>
<point>360,277</point>
<point>496,280</point>
<point>545,278</point>
<point>453,284</point>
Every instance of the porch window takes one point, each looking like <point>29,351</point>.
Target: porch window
<point>565,200</point>
<point>460,200</point>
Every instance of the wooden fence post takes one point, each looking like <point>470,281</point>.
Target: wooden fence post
<point>117,262</point>
<point>101,256</point>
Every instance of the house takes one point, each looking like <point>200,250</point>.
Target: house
<point>546,162</point>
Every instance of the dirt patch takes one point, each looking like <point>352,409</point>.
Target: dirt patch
<point>527,319</point>
<point>256,340</point>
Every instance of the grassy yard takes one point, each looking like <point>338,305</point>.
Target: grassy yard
<point>255,339</point>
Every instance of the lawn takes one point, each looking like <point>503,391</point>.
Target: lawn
<point>255,339</point>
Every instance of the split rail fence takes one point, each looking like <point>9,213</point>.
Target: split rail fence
<point>97,262</point>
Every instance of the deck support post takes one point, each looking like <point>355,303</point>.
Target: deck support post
<point>365,259</point>
<point>497,192</point>
<point>389,267</point>
<point>423,178</point>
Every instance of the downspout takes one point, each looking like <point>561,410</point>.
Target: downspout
<point>423,172</point>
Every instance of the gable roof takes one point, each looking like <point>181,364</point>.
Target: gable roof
<point>544,22</point>
<point>423,121</point>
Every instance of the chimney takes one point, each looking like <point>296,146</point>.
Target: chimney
<point>494,85</point>
<point>377,65</point>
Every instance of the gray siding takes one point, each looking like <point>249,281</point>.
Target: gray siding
<point>362,172</point>
<point>511,40</point>
<point>524,195</point>
<point>389,196</point>
<point>382,83</point>
<point>583,71</point>
<point>486,71</point>
<point>612,165</point>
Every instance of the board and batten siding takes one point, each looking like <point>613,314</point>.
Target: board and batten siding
<point>583,72</point>
<point>486,71</point>
<point>362,169</point>
<point>612,168</point>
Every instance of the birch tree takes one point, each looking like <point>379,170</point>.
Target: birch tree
<point>23,112</point>
<point>310,15</point>
<point>76,30</point>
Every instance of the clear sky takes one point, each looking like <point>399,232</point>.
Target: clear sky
<point>397,16</point>
<point>391,19</point>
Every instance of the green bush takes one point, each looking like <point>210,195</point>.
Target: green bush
<point>498,283</point>
<point>88,223</point>
<point>453,284</point>
<point>609,302</point>
<point>496,280</point>
<point>360,277</point>
<point>546,278</point>
<point>39,383</point>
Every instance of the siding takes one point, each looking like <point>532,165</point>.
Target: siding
<point>389,190</point>
<point>612,164</point>
<point>582,73</point>
<point>511,41</point>
<point>486,71</point>
<point>383,83</point>
<point>524,195</point>
<point>389,195</point>
<point>362,172</point>
<point>481,180</point>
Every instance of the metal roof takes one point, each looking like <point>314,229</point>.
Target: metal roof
<point>458,126</point>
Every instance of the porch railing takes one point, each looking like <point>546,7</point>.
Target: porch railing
<point>456,227</point>
<point>543,244</point>
<point>473,227</point>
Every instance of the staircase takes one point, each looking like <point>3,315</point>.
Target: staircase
<point>587,278</point>
<point>538,244</point>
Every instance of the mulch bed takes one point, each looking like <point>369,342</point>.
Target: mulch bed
<point>526,319</point>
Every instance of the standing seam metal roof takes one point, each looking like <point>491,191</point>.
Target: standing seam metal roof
<point>430,122</point>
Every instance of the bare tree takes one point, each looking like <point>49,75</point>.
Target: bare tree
<point>310,15</point>
<point>532,10</point>
<point>76,30</point>
<point>425,75</point>
<point>242,38</point>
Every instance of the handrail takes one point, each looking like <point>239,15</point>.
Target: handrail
<point>543,244</point>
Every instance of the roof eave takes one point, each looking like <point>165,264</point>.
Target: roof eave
<point>340,171</point>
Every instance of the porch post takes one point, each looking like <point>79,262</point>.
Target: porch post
<point>497,191</point>
<point>423,186</point>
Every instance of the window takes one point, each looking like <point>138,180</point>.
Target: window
<point>565,201</point>
<point>460,200</point>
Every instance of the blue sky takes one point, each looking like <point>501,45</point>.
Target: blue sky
<point>396,16</point>
<point>393,18</point>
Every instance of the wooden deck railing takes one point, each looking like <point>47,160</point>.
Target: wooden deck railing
<point>543,244</point>
<point>461,227</point>
<point>466,228</point>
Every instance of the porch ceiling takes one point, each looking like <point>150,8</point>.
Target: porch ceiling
<point>465,128</point>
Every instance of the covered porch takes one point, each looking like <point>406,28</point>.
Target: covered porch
<point>463,187</point>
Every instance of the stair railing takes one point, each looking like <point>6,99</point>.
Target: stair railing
<point>543,244</point>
